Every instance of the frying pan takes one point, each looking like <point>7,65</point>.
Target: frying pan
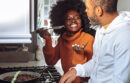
<point>35,80</point>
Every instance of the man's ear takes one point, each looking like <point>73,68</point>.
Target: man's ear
<point>99,11</point>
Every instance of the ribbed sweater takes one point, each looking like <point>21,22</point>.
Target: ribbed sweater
<point>64,51</point>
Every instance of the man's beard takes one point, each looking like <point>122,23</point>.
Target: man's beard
<point>94,20</point>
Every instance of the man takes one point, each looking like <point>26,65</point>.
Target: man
<point>111,58</point>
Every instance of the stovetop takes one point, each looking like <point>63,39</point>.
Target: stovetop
<point>49,74</point>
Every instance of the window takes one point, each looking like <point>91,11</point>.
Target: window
<point>43,21</point>
<point>44,7</point>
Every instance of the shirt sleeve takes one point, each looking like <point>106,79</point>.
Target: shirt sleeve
<point>122,59</point>
<point>84,70</point>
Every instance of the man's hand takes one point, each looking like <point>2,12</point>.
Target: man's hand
<point>68,77</point>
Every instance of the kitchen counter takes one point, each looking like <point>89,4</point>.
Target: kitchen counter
<point>31,63</point>
<point>41,62</point>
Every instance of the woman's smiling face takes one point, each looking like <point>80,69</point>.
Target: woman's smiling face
<point>72,21</point>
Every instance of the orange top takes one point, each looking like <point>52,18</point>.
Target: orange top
<point>63,50</point>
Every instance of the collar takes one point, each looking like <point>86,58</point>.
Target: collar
<point>72,38</point>
<point>105,26</point>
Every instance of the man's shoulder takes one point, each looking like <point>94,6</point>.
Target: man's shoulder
<point>124,26</point>
<point>123,34</point>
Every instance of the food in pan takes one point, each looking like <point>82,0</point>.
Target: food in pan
<point>21,77</point>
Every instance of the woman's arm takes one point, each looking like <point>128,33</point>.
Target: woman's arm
<point>51,54</point>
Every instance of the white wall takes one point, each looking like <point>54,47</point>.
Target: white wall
<point>124,5</point>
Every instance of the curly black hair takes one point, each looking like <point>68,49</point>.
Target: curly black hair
<point>60,9</point>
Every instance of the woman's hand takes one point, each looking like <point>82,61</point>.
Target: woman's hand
<point>68,77</point>
<point>78,48</point>
<point>44,33</point>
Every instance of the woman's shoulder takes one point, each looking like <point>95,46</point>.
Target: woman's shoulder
<point>87,35</point>
<point>87,38</point>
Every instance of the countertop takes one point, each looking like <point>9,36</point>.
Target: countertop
<point>31,63</point>
<point>41,62</point>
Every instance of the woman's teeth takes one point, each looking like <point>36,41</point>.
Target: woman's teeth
<point>73,25</point>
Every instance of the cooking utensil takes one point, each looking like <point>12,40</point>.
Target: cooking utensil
<point>35,80</point>
<point>15,76</point>
<point>57,27</point>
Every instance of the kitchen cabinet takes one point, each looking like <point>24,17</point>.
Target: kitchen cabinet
<point>15,21</point>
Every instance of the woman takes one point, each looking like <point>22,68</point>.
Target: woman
<point>71,14</point>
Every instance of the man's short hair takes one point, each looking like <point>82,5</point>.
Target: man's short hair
<point>109,6</point>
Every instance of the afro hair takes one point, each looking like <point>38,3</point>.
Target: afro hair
<point>60,9</point>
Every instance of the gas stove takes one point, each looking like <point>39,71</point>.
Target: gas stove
<point>49,74</point>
